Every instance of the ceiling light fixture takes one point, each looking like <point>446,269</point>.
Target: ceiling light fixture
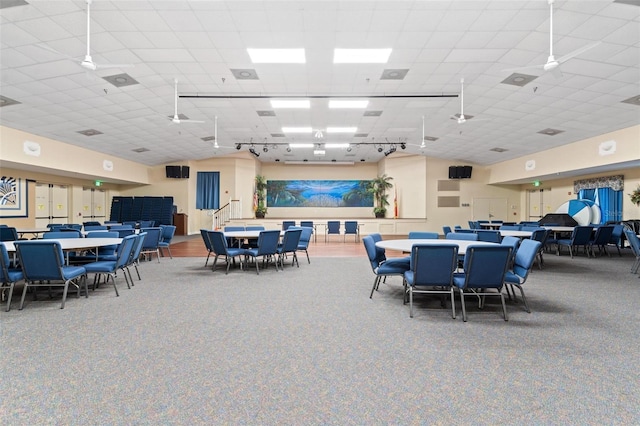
<point>318,134</point>
<point>403,145</point>
<point>265,149</point>
<point>253,151</point>
<point>291,103</point>
<point>277,56</point>
<point>390,151</point>
<point>238,146</point>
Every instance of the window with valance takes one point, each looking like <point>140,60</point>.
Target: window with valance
<point>605,192</point>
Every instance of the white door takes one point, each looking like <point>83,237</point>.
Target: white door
<point>535,204</point>
<point>93,204</point>
<point>490,209</point>
<point>52,204</point>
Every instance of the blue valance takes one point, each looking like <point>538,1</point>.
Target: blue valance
<point>614,182</point>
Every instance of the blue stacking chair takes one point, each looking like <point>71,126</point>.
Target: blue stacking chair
<point>601,239</point>
<point>220,248</point>
<point>134,260</point>
<point>422,235</point>
<point>484,269</point>
<point>488,235</point>
<point>267,248</point>
<point>9,276</point>
<point>89,228</point>
<point>151,242</point>
<point>380,265</point>
<point>468,236</point>
<point>523,262</point>
<point>333,228</point>
<point>616,237</point>
<point>207,243</point>
<point>147,223</point>
<point>580,236</point>
<point>351,228</point>
<point>109,268</point>
<point>634,242</point>
<point>287,223</point>
<point>431,272</point>
<point>309,224</point>
<point>232,242</point>
<point>289,244</point>
<point>305,239</point>
<point>43,265</point>
<point>254,228</point>
<point>446,230</point>
<point>168,231</point>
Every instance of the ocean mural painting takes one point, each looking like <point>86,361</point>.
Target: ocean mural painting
<point>318,193</point>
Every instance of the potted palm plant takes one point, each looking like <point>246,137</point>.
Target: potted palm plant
<point>379,187</point>
<point>635,196</point>
<point>260,197</point>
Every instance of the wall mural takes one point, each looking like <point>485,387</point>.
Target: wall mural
<point>318,193</point>
<point>13,197</point>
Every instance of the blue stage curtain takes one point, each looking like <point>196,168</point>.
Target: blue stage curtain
<point>587,194</point>
<point>208,191</point>
<point>610,202</point>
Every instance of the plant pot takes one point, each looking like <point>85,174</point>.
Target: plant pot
<point>379,215</point>
<point>259,215</point>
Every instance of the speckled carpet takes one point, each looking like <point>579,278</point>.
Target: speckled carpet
<point>307,346</point>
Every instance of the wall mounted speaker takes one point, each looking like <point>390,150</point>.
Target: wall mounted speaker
<point>184,173</point>
<point>173,172</point>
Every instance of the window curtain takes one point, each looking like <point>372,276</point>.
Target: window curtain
<point>610,203</point>
<point>605,192</point>
<point>208,191</point>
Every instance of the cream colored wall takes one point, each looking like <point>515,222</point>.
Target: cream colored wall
<point>576,156</point>
<point>71,159</point>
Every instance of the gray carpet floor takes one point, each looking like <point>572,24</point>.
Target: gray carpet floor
<point>306,346</point>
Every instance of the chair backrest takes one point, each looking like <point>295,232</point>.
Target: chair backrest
<point>125,250</point>
<point>287,223</point>
<point>380,252</point>
<point>433,264</point>
<point>153,238</point>
<point>120,227</point>
<point>581,235</point>
<point>512,242</point>
<point>306,224</point>
<point>91,223</point>
<point>168,231</point>
<point>137,247</point>
<point>305,235</point>
<point>124,232</point>
<point>486,266</point>
<point>370,247</point>
<point>88,228</point>
<point>456,227</point>
<point>525,256</point>
<point>488,236</point>
<point>205,237</point>
<point>603,235</point>
<point>218,242</point>
<point>474,224</point>
<point>634,242</point>
<point>291,239</point>
<point>147,223</point>
<point>333,227</point>
<point>529,227</point>
<point>234,228</point>
<point>40,259</point>
<point>74,226</point>
<point>4,264</point>
<point>446,230</point>
<point>268,242</point>
<point>57,235</point>
<point>131,223</point>
<point>511,227</point>
<point>350,226</point>
<point>421,235</point>
<point>8,233</point>
<point>105,234</point>
<point>254,228</point>
<point>616,235</point>
<point>462,236</point>
<point>541,234</point>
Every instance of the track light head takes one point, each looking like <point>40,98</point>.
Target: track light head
<point>380,149</point>
<point>253,151</point>
<point>238,146</point>
<point>390,151</point>
<point>265,149</point>
<point>403,145</point>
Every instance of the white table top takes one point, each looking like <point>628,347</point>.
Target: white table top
<point>515,233</point>
<point>247,234</point>
<point>75,243</point>
<point>33,231</point>
<point>406,244</point>
<point>560,228</point>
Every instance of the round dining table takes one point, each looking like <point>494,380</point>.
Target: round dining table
<point>406,244</point>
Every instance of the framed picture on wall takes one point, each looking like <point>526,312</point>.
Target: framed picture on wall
<point>13,197</point>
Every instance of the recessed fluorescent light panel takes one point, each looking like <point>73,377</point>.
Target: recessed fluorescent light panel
<point>336,145</point>
<point>291,103</point>
<point>361,56</point>
<point>277,56</point>
<point>301,145</point>
<point>297,129</point>
<point>342,129</point>
<point>348,103</point>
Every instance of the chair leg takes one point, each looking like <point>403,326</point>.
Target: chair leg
<point>410,302</point>
<point>524,298</point>
<point>453,304</point>
<point>376,280</point>
<point>504,307</point>
<point>464,309</point>
<point>308,260</point>
<point>9,297</point>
